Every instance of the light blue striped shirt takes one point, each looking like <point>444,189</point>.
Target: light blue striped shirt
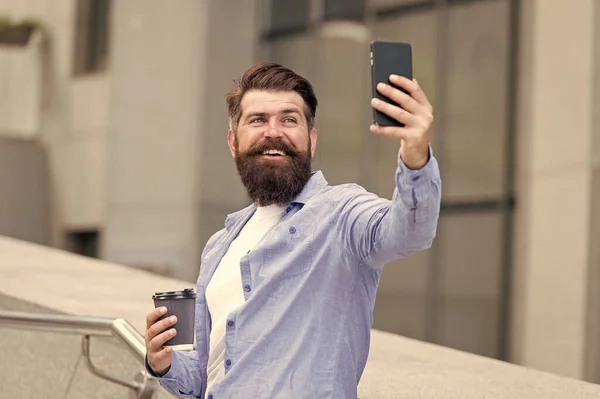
<point>310,287</point>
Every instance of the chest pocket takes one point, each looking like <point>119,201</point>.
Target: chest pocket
<point>289,249</point>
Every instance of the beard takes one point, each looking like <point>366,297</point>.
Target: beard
<point>273,181</point>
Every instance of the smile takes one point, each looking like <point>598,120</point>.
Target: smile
<point>275,153</point>
<point>275,158</point>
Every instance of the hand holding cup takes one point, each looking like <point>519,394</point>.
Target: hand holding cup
<point>170,327</point>
<point>158,332</point>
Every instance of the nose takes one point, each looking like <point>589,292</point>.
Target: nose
<point>273,130</point>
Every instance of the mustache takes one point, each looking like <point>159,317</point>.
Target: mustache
<point>271,144</point>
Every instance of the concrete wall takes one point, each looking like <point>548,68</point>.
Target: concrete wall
<point>165,195</point>
<point>24,203</point>
<point>555,187</point>
<point>21,88</point>
<point>156,109</point>
<point>132,150</point>
<point>593,304</point>
<point>72,121</point>
<point>85,188</point>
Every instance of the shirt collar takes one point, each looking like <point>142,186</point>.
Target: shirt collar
<point>315,184</point>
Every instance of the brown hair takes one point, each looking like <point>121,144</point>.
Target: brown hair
<point>270,77</point>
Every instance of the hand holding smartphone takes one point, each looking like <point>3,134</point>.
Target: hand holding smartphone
<point>389,58</point>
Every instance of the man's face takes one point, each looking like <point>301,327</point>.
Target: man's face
<point>273,147</point>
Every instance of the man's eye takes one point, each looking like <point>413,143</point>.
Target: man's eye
<point>257,120</point>
<point>290,120</point>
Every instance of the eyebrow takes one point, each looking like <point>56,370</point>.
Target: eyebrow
<point>264,114</point>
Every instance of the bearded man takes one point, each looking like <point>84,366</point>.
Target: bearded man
<point>286,290</point>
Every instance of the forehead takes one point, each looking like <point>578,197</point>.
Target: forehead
<point>271,101</point>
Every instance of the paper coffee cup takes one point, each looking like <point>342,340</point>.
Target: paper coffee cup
<point>181,304</point>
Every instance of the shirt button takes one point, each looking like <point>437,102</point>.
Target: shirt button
<point>209,397</point>
<point>247,288</point>
<point>227,362</point>
<point>292,230</point>
<point>230,323</point>
<point>416,178</point>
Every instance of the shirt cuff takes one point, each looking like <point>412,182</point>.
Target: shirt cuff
<point>168,375</point>
<point>416,177</point>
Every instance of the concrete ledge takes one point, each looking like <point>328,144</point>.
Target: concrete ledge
<point>398,367</point>
<point>78,285</point>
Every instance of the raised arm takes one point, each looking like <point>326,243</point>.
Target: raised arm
<point>376,230</point>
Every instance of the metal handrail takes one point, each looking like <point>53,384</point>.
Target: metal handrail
<point>88,327</point>
<point>79,325</point>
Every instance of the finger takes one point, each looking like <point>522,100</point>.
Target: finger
<point>390,131</point>
<point>399,97</point>
<point>157,360</point>
<point>158,357</point>
<point>413,87</point>
<point>160,326</point>
<point>155,345</point>
<point>154,315</point>
<point>393,111</point>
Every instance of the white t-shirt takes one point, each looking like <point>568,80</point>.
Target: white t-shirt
<point>224,292</point>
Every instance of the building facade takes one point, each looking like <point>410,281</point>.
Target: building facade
<point>131,110</point>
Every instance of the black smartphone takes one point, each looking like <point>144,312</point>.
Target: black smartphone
<point>389,58</point>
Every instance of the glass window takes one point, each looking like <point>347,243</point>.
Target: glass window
<point>401,305</point>
<point>296,52</point>
<point>345,9</point>
<point>92,34</point>
<point>469,252</point>
<point>402,298</point>
<point>83,243</point>
<point>399,4</point>
<point>285,16</point>
<point>474,131</point>
<point>342,97</point>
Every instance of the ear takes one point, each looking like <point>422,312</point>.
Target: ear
<point>313,142</point>
<point>231,142</point>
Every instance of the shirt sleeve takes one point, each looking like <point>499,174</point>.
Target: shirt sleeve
<point>183,379</point>
<point>378,230</point>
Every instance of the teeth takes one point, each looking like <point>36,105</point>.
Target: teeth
<point>273,152</point>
